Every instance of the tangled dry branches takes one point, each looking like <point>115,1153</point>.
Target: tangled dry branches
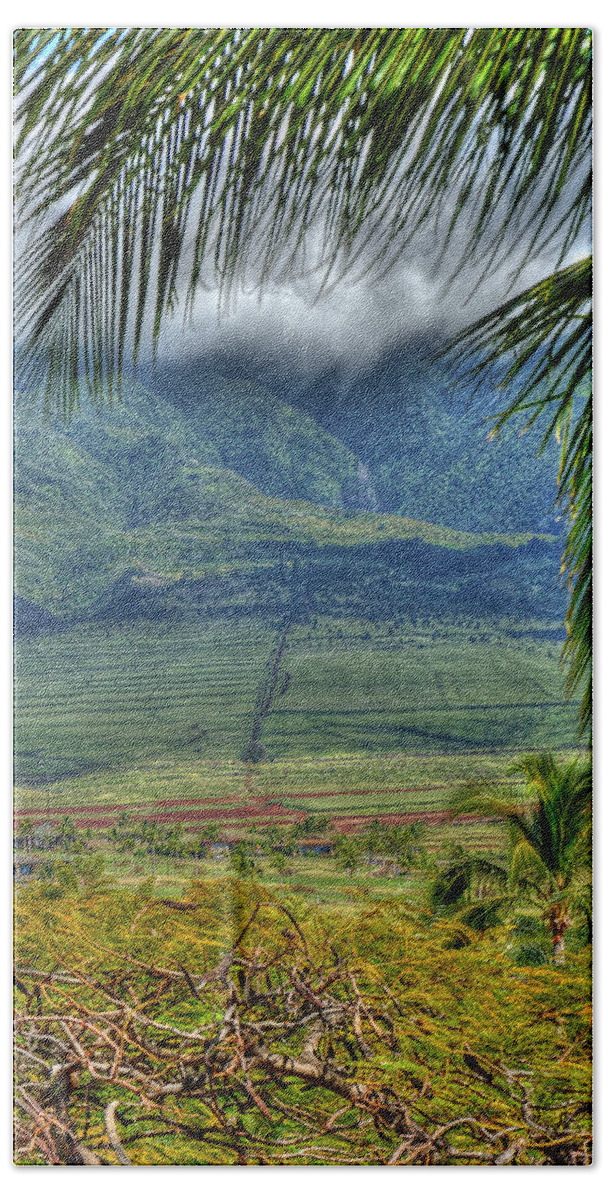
<point>275,1056</point>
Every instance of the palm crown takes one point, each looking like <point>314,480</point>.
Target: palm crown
<point>550,830</point>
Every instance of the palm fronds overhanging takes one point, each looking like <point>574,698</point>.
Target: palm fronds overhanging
<point>173,154</point>
<point>153,162</point>
<point>539,346</point>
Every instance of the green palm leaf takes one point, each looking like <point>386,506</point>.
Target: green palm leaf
<point>550,826</point>
<point>171,153</point>
<point>539,346</point>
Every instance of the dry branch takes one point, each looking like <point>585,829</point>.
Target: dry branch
<point>273,1056</point>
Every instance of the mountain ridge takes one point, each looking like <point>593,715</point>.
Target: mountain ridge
<point>423,439</point>
<point>139,496</point>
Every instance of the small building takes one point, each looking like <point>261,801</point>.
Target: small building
<point>220,849</point>
<point>315,845</point>
<point>39,837</point>
<point>24,868</point>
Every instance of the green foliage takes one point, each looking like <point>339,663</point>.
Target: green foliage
<point>551,826</point>
<point>278,860</point>
<point>529,944</point>
<point>483,915</point>
<point>451,886</point>
<point>559,830</point>
<point>550,855</point>
<point>242,861</point>
<point>348,854</point>
<point>210,832</point>
<point>531,955</point>
<point>469,886</point>
<point>207,1003</point>
<point>314,823</point>
<point>397,845</point>
<point>528,926</point>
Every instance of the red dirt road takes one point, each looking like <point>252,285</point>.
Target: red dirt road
<point>230,810</point>
<point>214,807</point>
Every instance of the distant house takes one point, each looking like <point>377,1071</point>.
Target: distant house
<point>24,869</point>
<point>219,849</point>
<point>315,845</point>
<point>46,836</point>
<point>41,837</point>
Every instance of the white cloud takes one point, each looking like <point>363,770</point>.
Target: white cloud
<point>353,323</point>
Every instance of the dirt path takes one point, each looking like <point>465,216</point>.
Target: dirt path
<point>264,814</point>
<point>141,807</point>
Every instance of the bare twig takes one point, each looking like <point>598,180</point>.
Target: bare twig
<point>112,1132</point>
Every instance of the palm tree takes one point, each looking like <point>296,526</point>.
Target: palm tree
<point>550,833</point>
<point>464,878</point>
<point>153,161</point>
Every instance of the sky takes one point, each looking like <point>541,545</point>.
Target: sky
<point>353,325</point>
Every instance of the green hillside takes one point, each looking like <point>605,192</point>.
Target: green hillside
<point>236,425</point>
<point>426,444</point>
<point>152,577</point>
<point>141,497</point>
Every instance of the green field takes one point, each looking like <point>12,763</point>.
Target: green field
<point>435,689</point>
<point>139,733</point>
<point>132,713</point>
<point>106,696</point>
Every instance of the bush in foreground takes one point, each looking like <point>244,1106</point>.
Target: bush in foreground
<point>231,1027</point>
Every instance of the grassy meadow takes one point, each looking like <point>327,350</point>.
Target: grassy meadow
<point>369,721</point>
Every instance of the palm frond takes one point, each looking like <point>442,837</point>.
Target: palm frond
<point>485,800</point>
<point>550,827</point>
<point>539,346</point>
<point>243,154</point>
<point>526,864</point>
